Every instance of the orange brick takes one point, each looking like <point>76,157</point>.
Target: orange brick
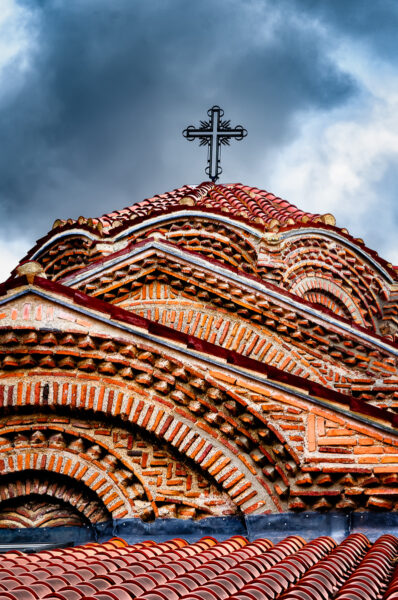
<point>197,449</point>
<point>157,420</point>
<point>234,481</point>
<point>147,415</point>
<point>269,407</point>
<point>334,419</point>
<point>242,489</point>
<point>19,462</point>
<point>335,432</point>
<point>246,462</point>
<point>246,498</point>
<point>110,498</point>
<point>320,426</point>
<point>365,441</point>
<point>389,450</point>
<point>137,411</point>
<point>208,429</point>
<point>368,450</point>
<point>212,459</point>
<point>386,470</point>
<point>215,470</point>
<point>222,376</point>
<point>101,398</point>
<point>254,507</point>
<point>311,433</point>
<point>384,366</point>
<point>19,393</point>
<point>119,403</point>
<point>51,463</point>
<point>366,431</point>
<point>91,479</point>
<point>337,441</point>
<point>105,491</point>
<point>75,468</point>
<point>115,507</point>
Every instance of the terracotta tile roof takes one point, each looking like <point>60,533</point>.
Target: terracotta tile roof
<point>207,570</point>
<point>250,203</point>
<point>262,210</point>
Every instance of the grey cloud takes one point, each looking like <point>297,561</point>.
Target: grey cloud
<point>374,22</point>
<point>97,122</point>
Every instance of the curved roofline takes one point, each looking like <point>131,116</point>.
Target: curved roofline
<point>335,235</point>
<point>190,213</point>
<point>250,281</point>
<point>61,235</point>
<point>147,222</point>
<point>327,231</point>
<point>262,212</point>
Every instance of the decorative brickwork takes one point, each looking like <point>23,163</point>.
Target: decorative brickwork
<point>46,499</point>
<point>39,512</point>
<point>209,352</point>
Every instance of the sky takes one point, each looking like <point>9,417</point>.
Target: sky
<point>94,96</point>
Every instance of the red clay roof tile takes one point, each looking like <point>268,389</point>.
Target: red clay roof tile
<point>238,569</point>
<point>239,200</point>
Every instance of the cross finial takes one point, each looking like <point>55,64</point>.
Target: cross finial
<point>213,133</point>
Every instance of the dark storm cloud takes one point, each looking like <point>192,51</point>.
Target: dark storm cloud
<point>374,22</point>
<point>96,123</point>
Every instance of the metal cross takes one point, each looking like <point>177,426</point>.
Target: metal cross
<point>213,133</point>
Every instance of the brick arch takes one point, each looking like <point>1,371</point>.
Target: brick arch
<point>75,467</point>
<point>62,490</point>
<point>199,443</point>
<point>67,254</point>
<point>338,248</point>
<point>227,241</point>
<point>133,475</point>
<point>55,428</point>
<point>315,256</point>
<point>329,294</point>
<point>213,240</point>
<point>303,270</point>
<point>115,464</point>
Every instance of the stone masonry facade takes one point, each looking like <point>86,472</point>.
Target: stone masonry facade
<point>213,351</point>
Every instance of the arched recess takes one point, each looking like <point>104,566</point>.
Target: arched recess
<point>161,304</point>
<point>134,475</point>
<point>208,235</point>
<point>181,403</point>
<point>68,254</point>
<point>211,238</point>
<point>52,461</point>
<point>36,498</point>
<point>327,293</point>
<point>199,443</point>
<point>316,256</point>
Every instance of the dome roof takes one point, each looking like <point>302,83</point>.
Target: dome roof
<point>241,201</point>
